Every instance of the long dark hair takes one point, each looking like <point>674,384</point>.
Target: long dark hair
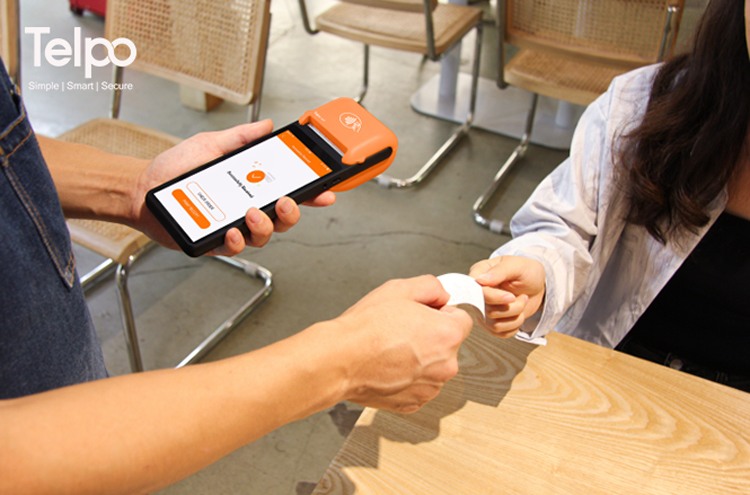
<point>684,152</point>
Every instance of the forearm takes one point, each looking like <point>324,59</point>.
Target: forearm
<point>92,183</point>
<point>556,227</point>
<point>140,432</point>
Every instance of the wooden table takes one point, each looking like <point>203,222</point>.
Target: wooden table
<point>566,418</point>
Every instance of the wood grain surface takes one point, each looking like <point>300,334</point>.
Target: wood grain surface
<point>566,418</point>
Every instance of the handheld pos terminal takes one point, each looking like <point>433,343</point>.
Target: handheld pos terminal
<point>337,146</point>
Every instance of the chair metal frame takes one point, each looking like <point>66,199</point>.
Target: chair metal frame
<point>121,272</point>
<point>386,180</point>
<point>122,269</point>
<point>499,226</point>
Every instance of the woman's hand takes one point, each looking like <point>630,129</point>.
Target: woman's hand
<point>513,289</point>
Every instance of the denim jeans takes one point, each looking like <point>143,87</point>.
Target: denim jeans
<point>47,338</point>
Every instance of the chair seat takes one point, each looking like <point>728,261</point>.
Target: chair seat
<point>399,30</point>
<point>576,81</point>
<point>108,239</point>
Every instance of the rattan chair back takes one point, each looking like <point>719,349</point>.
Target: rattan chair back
<point>626,32</point>
<point>572,49</point>
<point>215,47</point>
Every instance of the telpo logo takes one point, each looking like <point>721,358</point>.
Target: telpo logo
<point>58,51</point>
<point>351,121</point>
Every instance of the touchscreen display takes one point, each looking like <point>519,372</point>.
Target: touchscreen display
<point>220,194</point>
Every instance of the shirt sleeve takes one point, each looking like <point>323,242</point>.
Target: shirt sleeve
<point>558,222</point>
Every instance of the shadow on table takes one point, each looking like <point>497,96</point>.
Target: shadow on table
<point>488,366</point>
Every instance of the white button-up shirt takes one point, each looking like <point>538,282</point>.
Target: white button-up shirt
<point>601,273</point>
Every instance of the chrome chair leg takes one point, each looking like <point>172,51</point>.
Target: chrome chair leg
<point>128,320</point>
<point>252,270</point>
<point>96,275</point>
<point>249,268</point>
<point>253,112</point>
<point>391,182</point>
<point>494,225</point>
<point>365,75</point>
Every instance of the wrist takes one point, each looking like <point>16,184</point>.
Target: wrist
<point>350,353</point>
<point>136,192</point>
<point>92,183</point>
<point>329,361</point>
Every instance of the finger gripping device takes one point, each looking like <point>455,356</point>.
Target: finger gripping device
<point>359,136</point>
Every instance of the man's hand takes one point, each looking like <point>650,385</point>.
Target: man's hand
<point>408,342</point>
<point>200,149</point>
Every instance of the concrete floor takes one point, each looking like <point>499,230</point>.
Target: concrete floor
<point>331,259</point>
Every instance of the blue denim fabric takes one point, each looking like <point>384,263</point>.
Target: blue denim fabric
<point>47,338</point>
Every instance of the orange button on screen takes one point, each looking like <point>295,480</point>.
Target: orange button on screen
<point>190,208</point>
<point>256,176</point>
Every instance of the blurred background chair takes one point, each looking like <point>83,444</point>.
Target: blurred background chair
<point>9,42</point>
<point>214,47</point>
<point>420,26</point>
<point>570,50</point>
